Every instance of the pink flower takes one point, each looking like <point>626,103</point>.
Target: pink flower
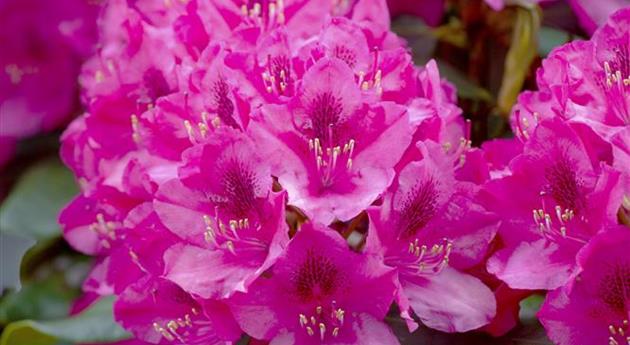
<point>159,312</point>
<point>231,225</point>
<point>319,292</point>
<point>434,108</point>
<point>591,17</point>
<point>559,194</point>
<point>594,306</point>
<point>235,17</point>
<point>134,56</point>
<point>584,81</point>
<point>332,151</point>
<point>41,41</point>
<point>429,219</point>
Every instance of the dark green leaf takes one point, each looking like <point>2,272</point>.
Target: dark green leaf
<point>12,248</point>
<point>465,87</point>
<point>32,207</point>
<point>47,299</point>
<point>94,325</point>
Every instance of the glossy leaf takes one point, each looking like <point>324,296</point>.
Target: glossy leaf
<point>94,325</point>
<point>33,205</point>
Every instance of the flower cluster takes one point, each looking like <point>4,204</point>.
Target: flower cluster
<point>560,195</point>
<point>281,169</point>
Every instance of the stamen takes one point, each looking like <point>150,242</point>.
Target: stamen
<point>322,331</point>
<point>230,247</point>
<point>189,130</point>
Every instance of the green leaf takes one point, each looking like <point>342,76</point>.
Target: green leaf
<point>523,50</point>
<point>32,207</point>
<point>44,300</point>
<point>12,248</point>
<point>94,325</point>
<point>465,87</point>
<point>529,308</point>
<point>549,38</point>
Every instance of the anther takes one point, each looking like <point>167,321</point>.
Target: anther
<point>322,331</point>
<point>230,247</point>
<point>189,131</point>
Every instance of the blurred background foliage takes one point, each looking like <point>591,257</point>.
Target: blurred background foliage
<point>489,56</point>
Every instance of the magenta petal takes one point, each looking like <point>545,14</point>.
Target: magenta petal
<point>367,331</point>
<point>147,307</point>
<point>315,277</point>
<point>536,265</point>
<point>450,301</point>
<point>593,307</point>
<point>181,210</point>
<point>210,273</point>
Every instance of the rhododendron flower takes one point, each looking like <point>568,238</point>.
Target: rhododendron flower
<point>385,70</point>
<point>587,82</point>
<point>594,306</point>
<point>333,152</point>
<point>559,194</point>
<point>436,112</point>
<point>239,17</point>
<point>591,17</point>
<point>223,208</point>
<point>429,219</point>
<point>319,292</point>
<point>159,312</point>
<point>41,41</point>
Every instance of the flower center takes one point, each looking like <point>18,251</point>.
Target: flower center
<point>325,321</point>
<point>345,54</point>
<point>564,186</point>
<point>106,230</point>
<point>614,289</point>
<point>619,334</point>
<point>372,79</point>
<point>16,73</point>
<point>176,328</point>
<point>419,207</point>
<point>236,219</point>
<point>617,83</point>
<point>421,259</point>
<point>330,161</point>
<point>325,112</point>
<point>263,13</point>
<point>316,279</point>
<point>238,234</point>
<point>277,76</point>
<point>223,104</point>
<point>239,185</point>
